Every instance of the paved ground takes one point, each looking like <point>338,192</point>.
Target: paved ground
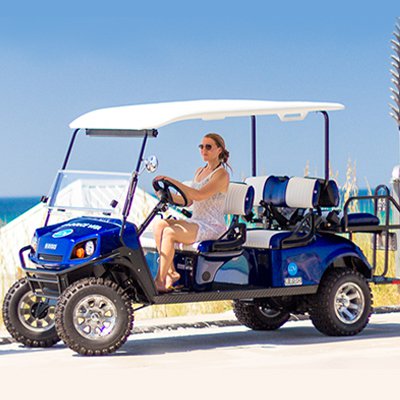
<point>295,359</point>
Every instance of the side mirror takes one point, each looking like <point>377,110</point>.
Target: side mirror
<point>151,164</point>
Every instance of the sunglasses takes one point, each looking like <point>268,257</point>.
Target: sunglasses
<point>205,146</point>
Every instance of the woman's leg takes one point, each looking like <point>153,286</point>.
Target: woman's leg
<point>159,226</point>
<point>177,231</point>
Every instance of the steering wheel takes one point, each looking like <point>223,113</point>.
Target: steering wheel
<point>164,187</point>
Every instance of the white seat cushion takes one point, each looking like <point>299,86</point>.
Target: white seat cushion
<point>260,238</point>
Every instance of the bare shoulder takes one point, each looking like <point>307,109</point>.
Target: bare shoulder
<point>224,173</point>
<point>222,176</point>
<point>198,171</point>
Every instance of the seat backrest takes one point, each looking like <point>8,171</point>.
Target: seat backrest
<point>303,192</point>
<point>258,183</point>
<point>329,196</point>
<point>275,190</point>
<point>239,199</point>
<point>297,192</point>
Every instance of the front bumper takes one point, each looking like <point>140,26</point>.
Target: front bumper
<point>50,281</point>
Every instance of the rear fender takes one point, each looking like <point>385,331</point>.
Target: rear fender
<point>354,262</point>
<point>350,256</point>
<point>306,265</point>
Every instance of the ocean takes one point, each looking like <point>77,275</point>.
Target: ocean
<point>12,207</point>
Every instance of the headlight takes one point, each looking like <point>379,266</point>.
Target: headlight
<point>34,242</point>
<point>89,248</point>
<point>84,249</point>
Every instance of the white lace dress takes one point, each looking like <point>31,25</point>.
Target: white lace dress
<point>209,214</point>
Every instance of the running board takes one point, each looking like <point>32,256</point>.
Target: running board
<point>189,297</point>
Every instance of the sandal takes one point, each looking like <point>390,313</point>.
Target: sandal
<point>168,289</point>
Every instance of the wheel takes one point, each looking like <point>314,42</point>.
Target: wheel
<point>343,303</point>
<point>29,318</point>
<point>259,316</point>
<point>94,316</point>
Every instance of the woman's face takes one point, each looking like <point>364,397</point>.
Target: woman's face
<point>209,149</point>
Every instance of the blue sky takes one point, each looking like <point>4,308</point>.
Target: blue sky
<point>57,63</point>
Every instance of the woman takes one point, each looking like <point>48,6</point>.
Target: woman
<point>207,193</point>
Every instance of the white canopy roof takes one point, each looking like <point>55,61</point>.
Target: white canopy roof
<point>153,116</point>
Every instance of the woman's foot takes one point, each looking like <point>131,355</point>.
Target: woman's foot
<point>172,278</point>
<point>163,289</point>
<point>161,286</point>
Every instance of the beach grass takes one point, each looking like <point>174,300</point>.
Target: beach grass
<point>175,310</point>
<point>383,295</point>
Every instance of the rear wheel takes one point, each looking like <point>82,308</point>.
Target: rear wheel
<point>343,303</point>
<point>259,316</point>
<point>94,316</point>
<point>29,318</point>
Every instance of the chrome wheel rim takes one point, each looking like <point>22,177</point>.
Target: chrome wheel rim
<point>349,303</point>
<point>269,312</point>
<point>36,313</point>
<point>95,317</point>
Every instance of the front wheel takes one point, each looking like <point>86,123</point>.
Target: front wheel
<point>29,318</point>
<point>259,316</point>
<point>343,304</point>
<point>94,316</point>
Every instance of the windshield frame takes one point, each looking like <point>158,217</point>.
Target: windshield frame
<point>131,187</point>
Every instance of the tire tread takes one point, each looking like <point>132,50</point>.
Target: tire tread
<point>13,330</point>
<point>71,291</point>
<point>249,315</point>
<point>322,319</point>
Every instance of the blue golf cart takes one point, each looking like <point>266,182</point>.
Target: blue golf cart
<point>287,247</point>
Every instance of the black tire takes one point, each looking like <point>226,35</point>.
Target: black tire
<point>343,304</point>
<point>82,321</point>
<point>29,318</point>
<point>258,316</point>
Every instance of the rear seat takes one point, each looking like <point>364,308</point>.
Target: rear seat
<point>302,193</point>
<point>294,193</point>
<point>280,191</point>
<point>239,201</point>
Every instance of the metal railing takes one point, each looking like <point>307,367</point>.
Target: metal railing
<point>375,229</point>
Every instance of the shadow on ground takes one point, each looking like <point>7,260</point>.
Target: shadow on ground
<point>202,339</point>
<point>286,336</point>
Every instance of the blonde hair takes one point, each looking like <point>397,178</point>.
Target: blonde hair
<point>220,142</point>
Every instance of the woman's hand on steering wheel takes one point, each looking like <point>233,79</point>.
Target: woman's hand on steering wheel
<point>163,186</point>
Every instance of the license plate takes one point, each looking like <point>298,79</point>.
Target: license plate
<point>296,281</point>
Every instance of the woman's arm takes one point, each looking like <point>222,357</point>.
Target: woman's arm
<point>218,183</point>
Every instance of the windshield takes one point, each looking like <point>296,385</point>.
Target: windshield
<point>97,192</point>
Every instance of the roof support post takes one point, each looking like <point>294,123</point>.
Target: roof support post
<point>253,146</point>
<point>326,117</point>
<point>132,188</point>
<point>70,149</point>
